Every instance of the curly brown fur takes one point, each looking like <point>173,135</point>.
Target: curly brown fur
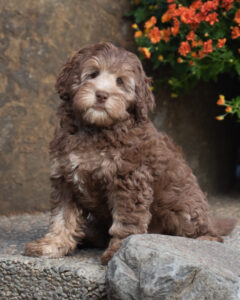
<point>113,174</point>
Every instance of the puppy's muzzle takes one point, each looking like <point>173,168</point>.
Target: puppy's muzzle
<point>101,96</point>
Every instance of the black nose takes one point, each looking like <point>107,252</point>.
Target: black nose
<point>101,96</point>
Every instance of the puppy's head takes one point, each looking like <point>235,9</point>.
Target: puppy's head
<point>105,84</point>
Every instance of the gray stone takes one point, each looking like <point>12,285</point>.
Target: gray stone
<point>157,267</point>
<point>80,276</point>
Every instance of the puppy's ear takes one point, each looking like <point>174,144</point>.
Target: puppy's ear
<point>64,80</point>
<point>144,97</point>
<point>69,75</point>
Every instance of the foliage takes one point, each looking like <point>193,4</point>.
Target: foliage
<point>198,39</point>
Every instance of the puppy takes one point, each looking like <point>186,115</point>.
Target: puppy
<point>113,174</point>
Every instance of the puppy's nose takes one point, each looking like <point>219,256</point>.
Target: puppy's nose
<point>101,96</point>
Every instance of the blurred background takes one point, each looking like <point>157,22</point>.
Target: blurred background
<point>36,38</point>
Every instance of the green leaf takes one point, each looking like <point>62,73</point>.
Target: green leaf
<point>237,67</point>
<point>141,14</point>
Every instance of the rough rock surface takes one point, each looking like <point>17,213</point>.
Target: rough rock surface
<point>80,276</point>
<point>157,267</point>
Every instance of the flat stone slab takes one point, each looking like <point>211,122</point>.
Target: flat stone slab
<point>80,276</point>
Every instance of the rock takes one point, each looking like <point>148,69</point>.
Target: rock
<point>146,267</point>
<point>158,267</point>
<point>80,276</point>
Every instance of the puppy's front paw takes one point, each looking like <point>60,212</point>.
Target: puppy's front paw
<point>44,247</point>
<point>211,238</point>
<point>107,256</point>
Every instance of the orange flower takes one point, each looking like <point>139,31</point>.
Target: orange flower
<point>138,34</point>
<point>187,15</point>
<point>221,42</point>
<point>170,13</point>
<point>220,118</point>
<point>235,32</point>
<point>201,54</point>
<point>196,4</point>
<point>150,23</point>
<point>179,60</point>
<point>184,48</point>
<point>172,10</point>
<point>212,18</point>
<point>134,26</point>
<point>165,34</point>
<point>191,63</point>
<point>146,53</point>
<point>166,17</point>
<point>160,57</point>
<point>176,26</point>
<point>194,44</point>
<point>237,17</point>
<point>208,6</point>
<point>197,43</point>
<point>191,36</point>
<point>221,100</point>
<point>228,109</point>
<point>227,4</point>
<point>207,47</point>
<point>194,54</point>
<point>154,35</point>
<point>199,17</point>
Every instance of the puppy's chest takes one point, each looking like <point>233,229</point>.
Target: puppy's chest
<point>88,171</point>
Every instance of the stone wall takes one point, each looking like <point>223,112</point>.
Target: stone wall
<point>208,145</point>
<point>36,37</point>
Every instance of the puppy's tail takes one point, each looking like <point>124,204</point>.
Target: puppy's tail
<point>224,226</point>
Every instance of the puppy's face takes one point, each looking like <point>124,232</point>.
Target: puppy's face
<point>106,90</point>
<point>105,85</point>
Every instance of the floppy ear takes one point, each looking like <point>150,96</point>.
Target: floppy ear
<point>69,75</point>
<point>144,97</point>
<point>64,80</point>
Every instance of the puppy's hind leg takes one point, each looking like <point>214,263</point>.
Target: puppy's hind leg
<point>217,228</point>
<point>210,238</point>
<point>65,231</point>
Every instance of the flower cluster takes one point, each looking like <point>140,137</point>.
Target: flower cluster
<point>231,107</point>
<point>199,41</point>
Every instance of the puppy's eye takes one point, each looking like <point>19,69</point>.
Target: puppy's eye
<point>119,81</point>
<point>94,74</point>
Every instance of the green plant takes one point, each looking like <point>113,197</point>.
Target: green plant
<point>198,40</point>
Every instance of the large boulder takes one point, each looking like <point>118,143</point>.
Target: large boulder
<point>156,267</point>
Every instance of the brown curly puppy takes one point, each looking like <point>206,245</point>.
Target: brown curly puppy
<point>113,174</point>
